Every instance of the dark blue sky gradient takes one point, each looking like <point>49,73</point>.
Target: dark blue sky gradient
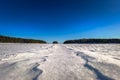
<point>60,19</point>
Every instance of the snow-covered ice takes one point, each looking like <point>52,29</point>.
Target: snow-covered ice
<point>59,61</point>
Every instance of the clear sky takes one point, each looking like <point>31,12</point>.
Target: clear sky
<point>60,20</point>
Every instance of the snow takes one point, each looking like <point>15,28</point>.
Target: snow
<point>59,61</point>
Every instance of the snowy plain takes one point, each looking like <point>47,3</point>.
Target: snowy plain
<point>59,61</point>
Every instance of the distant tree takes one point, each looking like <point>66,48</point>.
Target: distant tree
<point>92,41</point>
<point>55,42</point>
<point>7,39</point>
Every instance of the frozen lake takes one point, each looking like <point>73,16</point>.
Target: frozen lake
<point>59,61</point>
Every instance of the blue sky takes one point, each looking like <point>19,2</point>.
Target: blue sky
<point>60,19</point>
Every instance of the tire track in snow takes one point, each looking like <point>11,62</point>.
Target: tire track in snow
<point>58,62</point>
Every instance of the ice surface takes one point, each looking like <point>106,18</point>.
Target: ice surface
<point>59,61</point>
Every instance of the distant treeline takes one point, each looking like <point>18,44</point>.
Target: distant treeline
<point>6,39</point>
<point>92,41</point>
